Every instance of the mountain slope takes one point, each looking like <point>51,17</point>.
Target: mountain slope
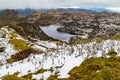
<point>8,16</point>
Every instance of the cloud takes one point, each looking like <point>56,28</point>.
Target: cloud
<point>114,9</point>
<point>39,4</point>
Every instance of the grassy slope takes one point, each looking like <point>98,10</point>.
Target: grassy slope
<point>98,69</point>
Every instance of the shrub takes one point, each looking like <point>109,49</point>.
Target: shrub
<point>2,49</point>
<point>23,54</point>
<point>112,52</point>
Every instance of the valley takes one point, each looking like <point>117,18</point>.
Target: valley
<point>58,45</point>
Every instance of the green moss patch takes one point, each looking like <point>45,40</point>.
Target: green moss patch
<point>116,36</point>
<point>12,77</point>
<point>29,76</point>
<point>82,41</point>
<point>24,50</point>
<point>97,69</point>
<point>52,77</point>
<point>13,35</point>
<point>19,44</point>
<point>98,39</point>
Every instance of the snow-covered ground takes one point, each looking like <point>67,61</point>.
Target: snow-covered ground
<point>55,54</point>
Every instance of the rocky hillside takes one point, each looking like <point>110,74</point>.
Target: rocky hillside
<point>89,24</point>
<point>9,16</point>
<point>92,24</point>
<point>30,31</point>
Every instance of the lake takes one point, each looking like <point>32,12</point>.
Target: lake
<point>52,32</point>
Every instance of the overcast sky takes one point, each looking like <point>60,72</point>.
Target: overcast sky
<point>39,4</point>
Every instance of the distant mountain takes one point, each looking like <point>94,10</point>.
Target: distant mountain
<point>84,10</point>
<point>72,10</point>
<point>100,9</point>
<point>25,12</point>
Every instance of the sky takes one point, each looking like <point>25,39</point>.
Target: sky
<point>40,4</point>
